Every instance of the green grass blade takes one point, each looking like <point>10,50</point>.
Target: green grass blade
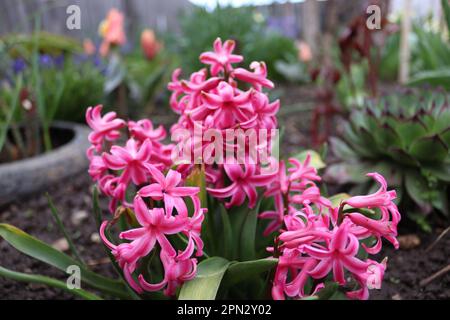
<point>34,278</point>
<point>41,251</point>
<point>5,127</point>
<point>55,214</point>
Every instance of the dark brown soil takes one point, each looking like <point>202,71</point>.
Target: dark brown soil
<point>407,268</point>
<point>34,217</point>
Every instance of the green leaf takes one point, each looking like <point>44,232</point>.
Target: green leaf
<point>356,142</point>
<point>385,137</point>
<point>429,149</point>
<point>197,179</point>
<point>445,136</point>
<point>441,171</point>
<point>115,74</point>
<point>96,208</point>
<point>227,233</point>
<point>338,198</point>
<point>446,8</point>
<point>421,221</point>
<point>56,98</point>
<point>207,281</point>
<point>347,172</point>
<point>152,82</point>
<point>439,77</point>
<point>34,278</point>
<point>41,251</point>
<point>316,160</point>
<point>248,235</point>
<point>409,131</point>
<point>329,290</point>
<point>341,149</point>
<point>440,200</point>
<point>418,190</point>
<point>240,271</point>
<point>12,111</point>
<point>310,298</point>
<point>401,156</point>
<point>237,217</point>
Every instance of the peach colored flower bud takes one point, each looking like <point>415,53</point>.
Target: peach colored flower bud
<point>150,45</point>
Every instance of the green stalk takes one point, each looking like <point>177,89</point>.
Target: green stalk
<point>38,90</point>
<point>10,117</point>
<point>55,214</point>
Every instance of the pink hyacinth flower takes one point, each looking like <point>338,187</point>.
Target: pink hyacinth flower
<point>193,230</point>
<point>243,183</point>
<point>291,261</point>
<point>377,228</point>
<point>167,189</point>
<point>105,127</point>
<point>97,167</point>
<point>257,78</point>
<point>382,197</point>
<point>222,57</point>
<point>340,255</point>
<point>177,91</point>
<point>227,107</point>
<point>303,172</point>
<point>263,112</point>
<point>143,129</point>
<point>112,187</point>
<point>312,195</point>
<point>370,279</point>
<point>176,272</point>
<point>155,225</point>
<point>131,159</point>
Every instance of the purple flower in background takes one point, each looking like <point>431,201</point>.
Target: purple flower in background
<point>18,65</point>
<point>59,61</point>
<point>45,60</point>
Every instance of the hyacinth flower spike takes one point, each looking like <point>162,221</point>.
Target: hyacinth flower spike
<point>222,57</point>
<point>103,128</point>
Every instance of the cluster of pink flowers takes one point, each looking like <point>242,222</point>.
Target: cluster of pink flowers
<point>315,239</point>
<point>230,99</point>
<point>318,239</point>
<point>158,203</point>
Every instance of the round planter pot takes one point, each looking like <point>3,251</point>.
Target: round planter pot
<point>25,177</point>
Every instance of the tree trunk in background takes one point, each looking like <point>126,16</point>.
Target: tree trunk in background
<point>311,24</point>
<point>403,74</point>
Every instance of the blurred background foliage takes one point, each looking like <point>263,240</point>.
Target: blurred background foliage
<point>249,29</point>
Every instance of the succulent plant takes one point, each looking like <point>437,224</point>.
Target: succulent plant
<point>406,136</point>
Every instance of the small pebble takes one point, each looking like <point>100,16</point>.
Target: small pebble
<point>78,217</point>
<point>95,237</point>
<point>409,241</point>
<point>396,297</point>
<point>61,244</point>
